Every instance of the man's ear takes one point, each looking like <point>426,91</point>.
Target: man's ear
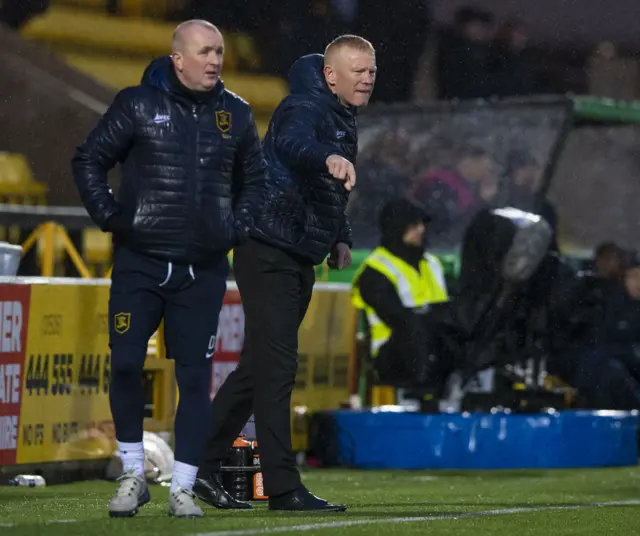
<point>178,61</point>
<point>330,75</point>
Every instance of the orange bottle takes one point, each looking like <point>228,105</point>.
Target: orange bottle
<point>258,486</point>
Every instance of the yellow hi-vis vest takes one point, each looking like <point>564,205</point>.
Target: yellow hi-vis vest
<point>415,289</point>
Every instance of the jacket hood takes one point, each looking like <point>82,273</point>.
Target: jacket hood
<point>397,215</point>
<point>395,218</point>
<point>306,78</point>
<point>157,74</point>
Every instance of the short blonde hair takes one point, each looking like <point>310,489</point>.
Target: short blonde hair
<point>354,42</point>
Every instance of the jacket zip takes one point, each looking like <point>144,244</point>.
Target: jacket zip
<point>192,185</point>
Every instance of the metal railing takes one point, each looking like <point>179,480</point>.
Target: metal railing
<point>49,232</point>
<point>49,226</point>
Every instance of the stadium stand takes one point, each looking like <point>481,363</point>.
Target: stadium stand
<point>116,50</point>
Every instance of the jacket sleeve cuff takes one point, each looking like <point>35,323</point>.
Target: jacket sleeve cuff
<point>110,220</point>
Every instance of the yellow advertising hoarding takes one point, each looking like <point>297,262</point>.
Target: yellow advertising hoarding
<point>55,366</point>
<point>64,412</point>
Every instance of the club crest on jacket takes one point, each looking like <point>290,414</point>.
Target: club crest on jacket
<point>223,120</point>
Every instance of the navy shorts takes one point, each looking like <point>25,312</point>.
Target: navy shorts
<point>145,290</point>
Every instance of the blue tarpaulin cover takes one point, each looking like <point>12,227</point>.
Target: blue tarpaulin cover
<point>404,440</point>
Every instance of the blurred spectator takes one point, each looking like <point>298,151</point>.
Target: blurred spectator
<point>254,17</point>
<point>463,59</point>
<point>321,26</point>
<point>346,11</point>
<point>523,178</point>
<point>453,195</point>
<point>605,364</point>
<point>387,176</point>
<point>510,65</point>
<point>232,15</point>
<point>398,31</point>
<point>611,75</point>
<point>16,13</point>
<point>611,262</point>
<point>304,27</point>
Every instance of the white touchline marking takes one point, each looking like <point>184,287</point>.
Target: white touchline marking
<point>356,522</point>
<point>50,522</point>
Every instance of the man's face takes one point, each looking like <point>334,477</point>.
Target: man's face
<point>609,266</point>
<point>414,235</point>
<point>199,58</point>
<point>476,168</point>
<point>351,76</point>
<point>529,178</point>
<point>477,31</point>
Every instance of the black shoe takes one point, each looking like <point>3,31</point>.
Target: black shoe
<point>209,489</point>
<point>302,500</point>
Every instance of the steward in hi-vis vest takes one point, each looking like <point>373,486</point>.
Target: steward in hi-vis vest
<point>394,287</point>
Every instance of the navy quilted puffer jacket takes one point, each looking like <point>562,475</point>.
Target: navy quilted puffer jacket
<point>193,174</point>
<point>305,208</point>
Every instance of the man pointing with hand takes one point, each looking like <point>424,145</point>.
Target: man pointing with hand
<point>310,149</point>
<point>341,169</point>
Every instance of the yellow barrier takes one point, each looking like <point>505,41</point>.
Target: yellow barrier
<point>49,234</point>
<point>55,367</point>
<point>55,371</point>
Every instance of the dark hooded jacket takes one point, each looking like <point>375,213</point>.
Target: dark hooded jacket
<point>376,290</point>
<point>193,173</point>
<point>305,208</point>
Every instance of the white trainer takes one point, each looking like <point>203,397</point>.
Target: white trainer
<point>182,504</point>
<point>132,493</point>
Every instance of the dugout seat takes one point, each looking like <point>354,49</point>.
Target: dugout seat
<point>97,249</point>
<point>17,183</point>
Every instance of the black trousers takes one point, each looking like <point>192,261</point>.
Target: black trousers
<point>276,290</point>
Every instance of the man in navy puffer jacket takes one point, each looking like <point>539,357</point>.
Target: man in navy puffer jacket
<point>193,177</point>
<point>310,150</point>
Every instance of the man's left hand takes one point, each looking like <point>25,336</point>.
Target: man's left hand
<point>340,257</point>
